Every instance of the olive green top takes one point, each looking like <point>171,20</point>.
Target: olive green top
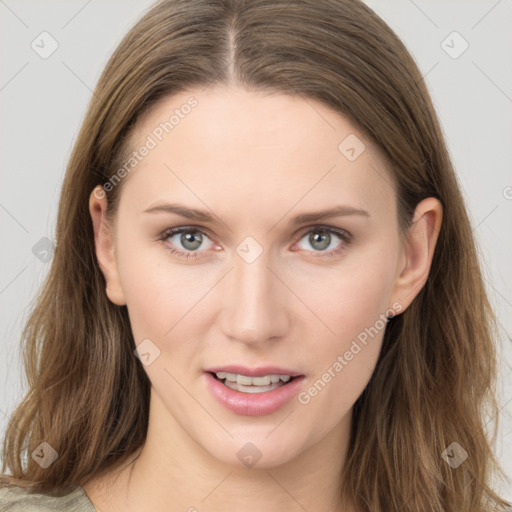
<point>17,499</point>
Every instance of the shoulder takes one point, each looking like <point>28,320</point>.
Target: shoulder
<point>17,499</point>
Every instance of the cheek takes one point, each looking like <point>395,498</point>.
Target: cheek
<point>352,296</point>
<point>158,293</point>
<point>352,304</point>
<point>341,370</point>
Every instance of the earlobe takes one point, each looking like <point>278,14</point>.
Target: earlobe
<point>418,250</point>
<point>104,245</point>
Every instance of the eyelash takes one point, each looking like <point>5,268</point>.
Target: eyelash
<point>345,236</point>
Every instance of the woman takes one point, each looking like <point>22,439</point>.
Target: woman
<point>265,289</point>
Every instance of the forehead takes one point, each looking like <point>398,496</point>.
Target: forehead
<point>254,147</point>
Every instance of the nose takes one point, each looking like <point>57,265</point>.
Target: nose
<point>254,307</point>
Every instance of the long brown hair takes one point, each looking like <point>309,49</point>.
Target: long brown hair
<point>433,384</point>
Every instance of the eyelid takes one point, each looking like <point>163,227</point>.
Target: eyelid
<point>301,232</point>
<point>343,233</point>
<point>187,227</point>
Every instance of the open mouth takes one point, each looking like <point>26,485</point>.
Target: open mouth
<point>246,384</point>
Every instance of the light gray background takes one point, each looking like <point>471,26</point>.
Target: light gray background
<point>43,101</point>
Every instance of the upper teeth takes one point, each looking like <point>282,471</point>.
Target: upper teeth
<point>252,381</point>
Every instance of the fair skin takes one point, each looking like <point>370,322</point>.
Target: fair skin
<point>254,161</point>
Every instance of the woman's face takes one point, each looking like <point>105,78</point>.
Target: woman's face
<point>249,287</point>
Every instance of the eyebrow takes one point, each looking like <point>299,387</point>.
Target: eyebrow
<point>205,216</point>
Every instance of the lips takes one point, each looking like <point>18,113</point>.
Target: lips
<point>257,398</point>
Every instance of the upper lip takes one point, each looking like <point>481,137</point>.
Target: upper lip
<point>260,371</point>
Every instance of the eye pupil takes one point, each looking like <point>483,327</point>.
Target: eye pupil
<point>323,238</point>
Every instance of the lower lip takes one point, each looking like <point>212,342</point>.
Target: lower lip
<point>253,404</point>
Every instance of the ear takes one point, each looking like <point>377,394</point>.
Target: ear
<point>104,245</point>
<point>418,251</point>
